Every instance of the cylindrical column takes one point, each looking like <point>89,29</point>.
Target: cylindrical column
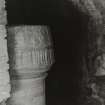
<point>31,55</point>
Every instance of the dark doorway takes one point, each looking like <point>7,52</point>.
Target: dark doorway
<point>68,26</point>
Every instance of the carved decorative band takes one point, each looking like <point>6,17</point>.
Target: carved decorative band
<point>32,62</point>
<point>27,75</point>
<point>29,37</point>
<point>34,59</point>
<point>30,49</point>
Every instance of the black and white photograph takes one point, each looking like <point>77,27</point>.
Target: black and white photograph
<point>52,52</point>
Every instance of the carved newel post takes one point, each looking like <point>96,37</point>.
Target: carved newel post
<point>30,56</point>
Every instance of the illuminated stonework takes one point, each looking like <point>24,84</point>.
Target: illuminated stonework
<point>4,74</point>
<point>4,66</point>
<point>31,56</point>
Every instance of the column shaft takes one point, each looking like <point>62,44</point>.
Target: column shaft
<point>31,55</point>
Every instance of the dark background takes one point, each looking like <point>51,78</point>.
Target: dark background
<point>68,27</point>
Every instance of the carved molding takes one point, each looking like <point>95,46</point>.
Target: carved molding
<point>30,56</point>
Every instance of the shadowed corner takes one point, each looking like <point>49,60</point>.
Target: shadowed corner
<point>70,40</point>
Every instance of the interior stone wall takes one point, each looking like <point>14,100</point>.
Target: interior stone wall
<point>93,78</point>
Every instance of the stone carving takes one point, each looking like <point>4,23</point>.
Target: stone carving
<point>39,40</point>
<point>31,55</point>
<point>4,74</point>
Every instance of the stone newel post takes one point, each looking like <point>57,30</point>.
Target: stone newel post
<point>30,56</point>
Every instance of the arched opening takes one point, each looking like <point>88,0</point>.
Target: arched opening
<point>69,32</point>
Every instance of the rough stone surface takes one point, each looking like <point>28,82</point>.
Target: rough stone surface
<point>3,13</point>
<point>4,66</point>
<point>94,61</point>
